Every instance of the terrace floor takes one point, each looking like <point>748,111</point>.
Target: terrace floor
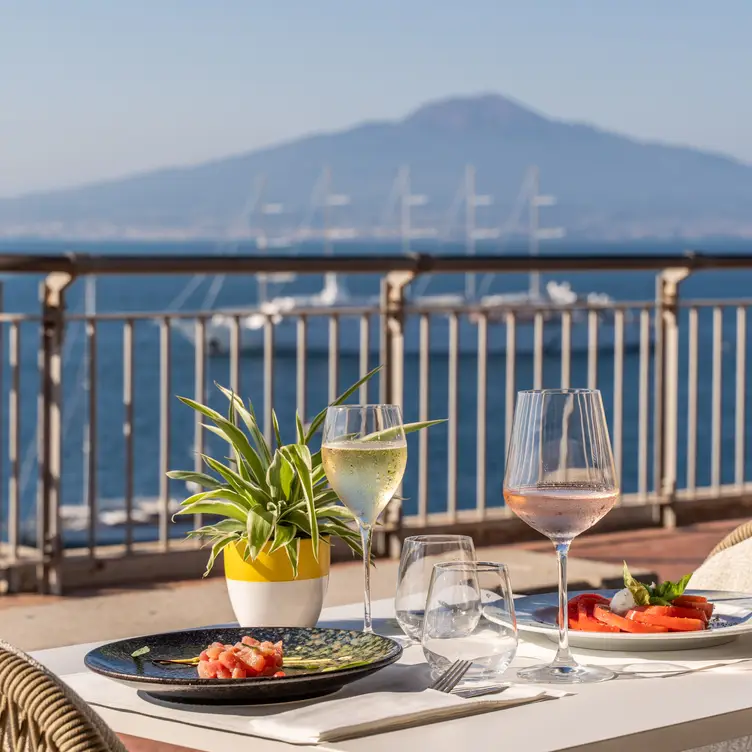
<point>34,622</point>
<point>669,553</point>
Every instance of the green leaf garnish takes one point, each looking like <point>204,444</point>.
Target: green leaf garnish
<point>141,651</point>
<point>662,594</point>
<point>639,592</point>
<point>665,593</point>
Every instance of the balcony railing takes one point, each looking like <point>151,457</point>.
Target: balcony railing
<point>87,441</point>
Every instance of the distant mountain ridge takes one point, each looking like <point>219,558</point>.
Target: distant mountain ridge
<point>608,186</point>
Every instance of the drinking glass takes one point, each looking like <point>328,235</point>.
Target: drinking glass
<point>470,616</point>
<point>364,454</point>
<point>560,480</point>
<point>419,555</point>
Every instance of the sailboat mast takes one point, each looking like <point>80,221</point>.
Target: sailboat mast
<point>261,239</point>
<point>470,227</point>
<point>327,195</point>
<point>330,278</point>
<point>534,236</point>
<point>404,178</point>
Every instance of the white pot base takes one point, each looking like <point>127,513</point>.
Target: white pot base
<point>297,603</point>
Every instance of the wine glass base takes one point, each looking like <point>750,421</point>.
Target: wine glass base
<point>553,674</point>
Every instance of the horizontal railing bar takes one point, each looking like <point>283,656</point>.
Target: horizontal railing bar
<point>228,313</point>
<point>714,302</point>
<point>100,264</point>
<point>354,312</point>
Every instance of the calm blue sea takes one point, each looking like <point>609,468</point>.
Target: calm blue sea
<point>129,294</point>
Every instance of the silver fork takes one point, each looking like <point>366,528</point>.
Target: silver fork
<point>451,677</point>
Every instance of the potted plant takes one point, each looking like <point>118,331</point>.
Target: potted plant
<point>274,515</point>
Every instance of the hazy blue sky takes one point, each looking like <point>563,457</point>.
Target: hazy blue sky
<point>100,88</point>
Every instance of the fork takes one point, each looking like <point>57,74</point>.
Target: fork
<point>451,677</point>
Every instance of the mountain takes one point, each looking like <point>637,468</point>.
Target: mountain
<point>608,185</point>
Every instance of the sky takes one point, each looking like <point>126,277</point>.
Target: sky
<point>95,89</point>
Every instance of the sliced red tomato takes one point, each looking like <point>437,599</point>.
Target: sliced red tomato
<point>586,600</point>
<point>694,601</point>
<point>673,623</point>
<point>680,612</point>
<point>592,625</point>
<point>623,624</point>
<point>691,598</point>
<point>585,622</point>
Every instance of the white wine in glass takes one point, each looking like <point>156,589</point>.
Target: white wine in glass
<point>364,454</point>
<point>560,480</point>
<point>365,475</point>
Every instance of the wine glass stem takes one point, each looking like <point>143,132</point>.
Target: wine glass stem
<point>563,655</point>
<point>366,532</point>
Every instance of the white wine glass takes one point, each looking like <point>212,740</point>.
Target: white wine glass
<point>364,454</point>
<point>560,479</point>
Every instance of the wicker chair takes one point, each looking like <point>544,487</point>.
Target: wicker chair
<point>737,535</point>
<point>38,713</point>
<point>729,564</point>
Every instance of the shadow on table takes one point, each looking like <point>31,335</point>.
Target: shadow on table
<point>395,678</point>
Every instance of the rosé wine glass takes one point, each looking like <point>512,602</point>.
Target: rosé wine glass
<point>560,479</point>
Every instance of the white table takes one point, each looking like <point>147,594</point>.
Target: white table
<point>674,714</point>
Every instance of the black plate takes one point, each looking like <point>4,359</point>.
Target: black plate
<point>178,682</point>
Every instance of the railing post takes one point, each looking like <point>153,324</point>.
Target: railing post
<point>667,390</point>
<point>392,378</point>
<point>49,456</point>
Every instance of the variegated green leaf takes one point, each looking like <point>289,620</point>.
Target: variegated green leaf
<point>237,482</point>
<point>275,428</point>
<point>217,549</point>
<point>221,527</point>
<point>286,475</point>
<point>282,536</point>
<point>299,519</point>
<point>220,508</point>
<point>319,419</point>
<point>259,530</point>
<point>253,462</point>
<point>300,456</point>
<point>299,428</point>
<point>338,511</point>
<point>232,434</point>
<point>249,418</point>
<point>397,431</point>
<point>293,550</point>
<point>241,467</point>
<point>200,479</point>
<point>325,496</point>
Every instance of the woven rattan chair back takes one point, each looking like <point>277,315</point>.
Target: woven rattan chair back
<point>737,535</point>
<point>38,713</point>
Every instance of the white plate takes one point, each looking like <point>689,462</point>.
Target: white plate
<point>731,619</point>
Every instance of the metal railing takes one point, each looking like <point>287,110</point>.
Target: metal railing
<point>440,359</point>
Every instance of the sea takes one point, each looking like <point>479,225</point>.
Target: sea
<point>161,293</point>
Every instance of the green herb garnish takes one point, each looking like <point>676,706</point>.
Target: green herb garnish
<point>141,651</point>
<point>662,594</point>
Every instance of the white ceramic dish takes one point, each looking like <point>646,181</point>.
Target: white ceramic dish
<point>731,619</point>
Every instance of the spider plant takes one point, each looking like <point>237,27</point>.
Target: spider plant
<point>267,497</point>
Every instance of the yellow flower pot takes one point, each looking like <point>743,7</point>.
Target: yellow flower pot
<point>264,593</point>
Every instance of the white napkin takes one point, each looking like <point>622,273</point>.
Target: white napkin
<point>361,715</point>
<point>392,698</point>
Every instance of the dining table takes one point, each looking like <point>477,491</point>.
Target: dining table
<point>691,711</point>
